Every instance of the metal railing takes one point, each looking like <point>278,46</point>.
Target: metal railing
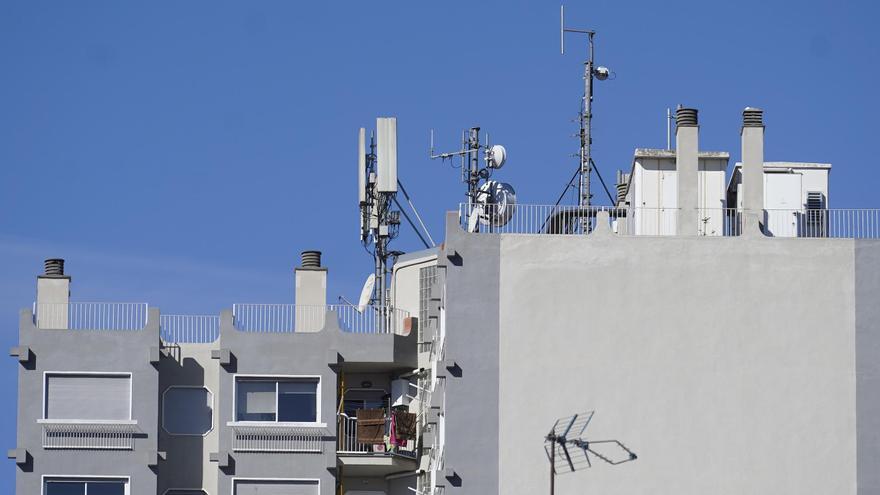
<point>79,436</point>
<point>277,438</point>
<point>346,439</point>
<point>373,319</point>
<point>719,222</point>
<point>278,318</point>
<point>836,223</point>
<point>91,316</point>
<point>287,318</point>
<point>538,219</point>
<point>646,221</point>
<point>189,329</point>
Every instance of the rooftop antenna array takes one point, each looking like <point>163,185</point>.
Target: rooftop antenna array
<point>489,202</point>
<point>586,111</point>
<point>568,451</point>
<point>377,191</point>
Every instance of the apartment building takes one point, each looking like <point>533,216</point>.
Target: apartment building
<point>723,328</point>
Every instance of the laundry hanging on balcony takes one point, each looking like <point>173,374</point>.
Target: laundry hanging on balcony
<point>404,425</point>
<point>371,426</point>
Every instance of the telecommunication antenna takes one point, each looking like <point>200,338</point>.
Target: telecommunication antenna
<point>568,451</point>
<point>586,112</point>
<point>490,203</point>
<point>377,193</point>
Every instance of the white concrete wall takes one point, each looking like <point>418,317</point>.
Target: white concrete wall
<point>727,364</point>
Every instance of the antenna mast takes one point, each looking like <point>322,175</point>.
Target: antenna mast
<point>377,193</point>
<point>586,110</point>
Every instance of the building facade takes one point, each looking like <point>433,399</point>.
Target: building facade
<point>726,330</point>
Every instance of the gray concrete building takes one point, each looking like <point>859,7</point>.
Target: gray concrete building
<point>733,346</point>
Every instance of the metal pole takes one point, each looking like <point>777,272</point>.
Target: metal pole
<point>586,136</point>
<point>668,128</point>
<point>552,467</point>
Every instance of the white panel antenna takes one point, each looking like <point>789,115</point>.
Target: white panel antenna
<point>362,165</point>
<point>496,156</point>
<point>386,154</point>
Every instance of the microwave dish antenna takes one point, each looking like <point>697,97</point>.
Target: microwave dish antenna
<point>497,200</point>
<point>496,156</point>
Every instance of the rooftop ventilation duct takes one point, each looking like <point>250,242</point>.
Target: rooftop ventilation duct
<point>752,134</point>
<point>687,146</point>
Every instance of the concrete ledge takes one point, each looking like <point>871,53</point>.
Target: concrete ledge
<point>19,455</point>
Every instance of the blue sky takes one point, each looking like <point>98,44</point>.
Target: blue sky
<point>184,153</point>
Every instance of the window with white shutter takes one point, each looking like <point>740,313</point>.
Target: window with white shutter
<point>74,396</point>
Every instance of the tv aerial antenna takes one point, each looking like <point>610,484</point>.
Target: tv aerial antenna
<point>490,203</point>
<point>586,111</point>
<point>568,451</point>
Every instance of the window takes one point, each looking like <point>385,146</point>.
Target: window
<point>276,487</point>
<point>285,400</point>
<point>85,486</point>
<point>187,410</point>
<point>87,396</point>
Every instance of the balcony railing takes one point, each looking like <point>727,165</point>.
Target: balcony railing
<point>288,318</point>
<point>88,436</point>
<point>711,222</point>
<point>91,316</point>
<point>837,223</point>
<point>346,439</point>
<point>277,438</point>
<point>189,329</point>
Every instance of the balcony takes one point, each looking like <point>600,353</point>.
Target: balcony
<point>361,459</point>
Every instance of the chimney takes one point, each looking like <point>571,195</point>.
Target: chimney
<point>53,295</point>
<point>752,187</point>
<point>687,146</point>
<point>311,292</point>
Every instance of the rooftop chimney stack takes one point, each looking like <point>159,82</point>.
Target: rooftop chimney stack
<point>53,295</point>
<point>311,292</point>
<point>687,146</point>
<point>752,168</point>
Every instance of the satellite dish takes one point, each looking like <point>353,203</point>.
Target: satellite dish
<point>474,218</point>
<point>366,293</point>
<point>496,156</point>
<point>496,203</point>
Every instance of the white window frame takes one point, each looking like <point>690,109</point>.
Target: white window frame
<point>276,378</point>
<point>234,480</point>
<point>47,374</point>
<point>80,477</point>
<point>213,408</point>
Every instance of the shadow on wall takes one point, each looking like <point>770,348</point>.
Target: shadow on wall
<point>186,417</point>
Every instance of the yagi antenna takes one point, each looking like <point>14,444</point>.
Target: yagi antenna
<point>568,451</point>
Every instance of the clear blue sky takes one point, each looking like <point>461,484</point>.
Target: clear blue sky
<point>184,153</point>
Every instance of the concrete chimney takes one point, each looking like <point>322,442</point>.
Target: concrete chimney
<point>311,292</point>
<point>53,295</point>
<point>687,146</point>
<point>752,167</point>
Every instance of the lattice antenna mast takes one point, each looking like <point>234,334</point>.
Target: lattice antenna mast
<point>568,451</point>
<point>586,109</point>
